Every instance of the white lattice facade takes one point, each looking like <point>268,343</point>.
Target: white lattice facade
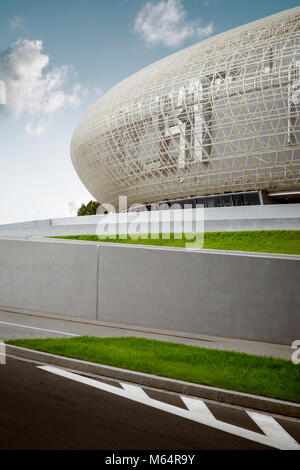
<point>219,116</point>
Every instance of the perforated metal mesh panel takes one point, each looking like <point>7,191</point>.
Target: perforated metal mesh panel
<point>219,116</point>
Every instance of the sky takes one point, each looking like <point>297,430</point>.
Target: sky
<point>58,57</point>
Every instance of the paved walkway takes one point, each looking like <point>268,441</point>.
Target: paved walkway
<point>18,325</point>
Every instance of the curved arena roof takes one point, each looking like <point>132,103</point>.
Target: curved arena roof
<point>219,116</point>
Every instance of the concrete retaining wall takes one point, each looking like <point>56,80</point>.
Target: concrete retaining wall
<point>254,297</point>
<point>49,277</point>
<point>264,217</point>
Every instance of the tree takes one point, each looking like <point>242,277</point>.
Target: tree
<point>89,209</point>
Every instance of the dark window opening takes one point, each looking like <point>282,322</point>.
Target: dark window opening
<point>238,200</point>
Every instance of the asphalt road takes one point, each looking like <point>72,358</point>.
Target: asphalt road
<point>42,410</point>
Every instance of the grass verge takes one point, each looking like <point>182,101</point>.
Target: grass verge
<point>270,377</point>
<point>264,241</point>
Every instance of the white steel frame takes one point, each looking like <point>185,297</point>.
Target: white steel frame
<point>216,117</point>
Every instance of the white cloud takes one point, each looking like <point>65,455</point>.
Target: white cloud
<point>73,207</point>
<point>31,88</point>
<point>54,101</point>
<point>39,128</point>
<point>74,99</point>
<point>165,22</point>
<point>18,23</point>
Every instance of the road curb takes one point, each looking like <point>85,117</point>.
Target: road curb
<point>230,397</point>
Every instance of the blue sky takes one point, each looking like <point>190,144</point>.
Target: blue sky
<point>57,58</point>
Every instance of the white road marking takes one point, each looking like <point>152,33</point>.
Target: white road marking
<point>2,353</point>
<point>35,328</point>
<point>270,426</point>
<point>275,436</point>
<point>198,407</point>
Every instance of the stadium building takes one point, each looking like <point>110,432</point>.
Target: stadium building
<point>216,123</point>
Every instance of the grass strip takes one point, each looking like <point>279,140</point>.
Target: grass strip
<point>265,376</point>
<point>263,241</point>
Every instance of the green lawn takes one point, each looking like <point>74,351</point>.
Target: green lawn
<point>264,376</point>
<point>266,241</point>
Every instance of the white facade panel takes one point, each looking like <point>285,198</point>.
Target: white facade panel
<point>219,116</point>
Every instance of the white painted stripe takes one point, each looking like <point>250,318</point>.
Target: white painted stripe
<point>203,416</point>
<point>2,353</point>
<point>271,427</point>
<point>134,391</point>
<point>198,407</point>
<point>35,328</point>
